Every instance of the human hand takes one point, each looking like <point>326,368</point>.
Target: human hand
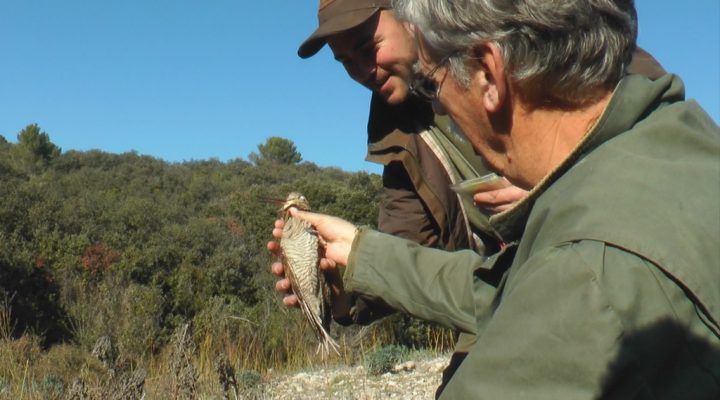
<point>336,237</point>
<point>499,200</point>
<point>283,284</point>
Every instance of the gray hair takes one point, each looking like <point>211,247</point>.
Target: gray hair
<point>559,51</point>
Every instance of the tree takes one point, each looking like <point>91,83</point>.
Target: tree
<point>34,150</point>
<point>276,150</point>
<point>5,147</point>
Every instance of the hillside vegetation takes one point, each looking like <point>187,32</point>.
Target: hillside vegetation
<point>162,263</point>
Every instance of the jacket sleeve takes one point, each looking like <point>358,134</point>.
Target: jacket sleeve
<point>427,283</point>
<point>580,320</point>
<point>401,214</point>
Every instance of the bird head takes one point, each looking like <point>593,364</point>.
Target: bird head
<point>294,199</point>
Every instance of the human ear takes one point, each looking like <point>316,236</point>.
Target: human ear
<point>492,65</point>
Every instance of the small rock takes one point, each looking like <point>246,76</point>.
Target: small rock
<point>406,366</point>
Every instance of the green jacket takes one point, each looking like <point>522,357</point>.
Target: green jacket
<point>611,286</point>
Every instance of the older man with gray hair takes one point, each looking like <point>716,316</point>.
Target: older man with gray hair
<point>609,285</point>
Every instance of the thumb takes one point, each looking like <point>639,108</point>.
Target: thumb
<point>314,219</point>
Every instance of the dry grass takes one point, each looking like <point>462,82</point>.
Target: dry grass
<point>226,356</point>
<point>7,325</point>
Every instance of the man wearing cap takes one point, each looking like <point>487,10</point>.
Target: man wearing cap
<point>421,157</point>
<point>421,154</point>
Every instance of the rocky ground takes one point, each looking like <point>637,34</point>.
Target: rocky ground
<point>415,379</point>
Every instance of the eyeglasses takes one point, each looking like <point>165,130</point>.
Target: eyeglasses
<point>423,86</point>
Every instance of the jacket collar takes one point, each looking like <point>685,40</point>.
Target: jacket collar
<point>633,99</point>
<point>389,125</point>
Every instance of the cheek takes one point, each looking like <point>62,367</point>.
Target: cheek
<point>475,129</point>
<point>463,107</point>
<point>395,59</point>
<point>463,120</point>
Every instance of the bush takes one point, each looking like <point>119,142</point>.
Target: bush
<point>95,244</point>
<point>248,379</point>
<point>129,313</point>
<point>50,387</point>
<point>385,359</point>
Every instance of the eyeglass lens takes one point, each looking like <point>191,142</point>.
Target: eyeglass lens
<point>423,85</point>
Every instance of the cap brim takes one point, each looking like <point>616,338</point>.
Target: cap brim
<point>337,24</point>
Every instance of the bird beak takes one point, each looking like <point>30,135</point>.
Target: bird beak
<point>275,201</point>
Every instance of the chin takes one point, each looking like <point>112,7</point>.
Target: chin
<point>393,92</point>
<point>396,97</point>
<point>394,100</point>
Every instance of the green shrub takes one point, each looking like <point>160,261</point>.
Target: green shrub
<point>248,379</point>
<point>129,313</point>
<point>50,386</point>
<point>382,361</point>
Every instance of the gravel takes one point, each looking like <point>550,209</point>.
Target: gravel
<point>411,380</point>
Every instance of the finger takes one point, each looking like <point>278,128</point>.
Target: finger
<point>327,264</point>
<point>283,286</point>
<point>278,269</point>
<point>291,301</point>
<point>277,233</point>
<point>279,223</point>
<point>273,246</point>
<point>501,208</point>
<point>495,209</point>
<point>499,197</point>
<point>511,194</point>
<point>482,198</point>
<point>308,216</point>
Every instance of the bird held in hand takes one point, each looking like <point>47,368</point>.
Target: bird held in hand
<point>300,258</point>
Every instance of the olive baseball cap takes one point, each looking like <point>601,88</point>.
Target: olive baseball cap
<point>335,16</point>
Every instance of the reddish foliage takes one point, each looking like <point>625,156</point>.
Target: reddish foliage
<point>98,259</point>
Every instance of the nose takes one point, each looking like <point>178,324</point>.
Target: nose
<point>362,69</point>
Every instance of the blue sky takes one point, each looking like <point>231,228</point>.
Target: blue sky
<point>192,80</point>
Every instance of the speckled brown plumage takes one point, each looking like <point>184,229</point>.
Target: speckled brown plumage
<point>300,258</point>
